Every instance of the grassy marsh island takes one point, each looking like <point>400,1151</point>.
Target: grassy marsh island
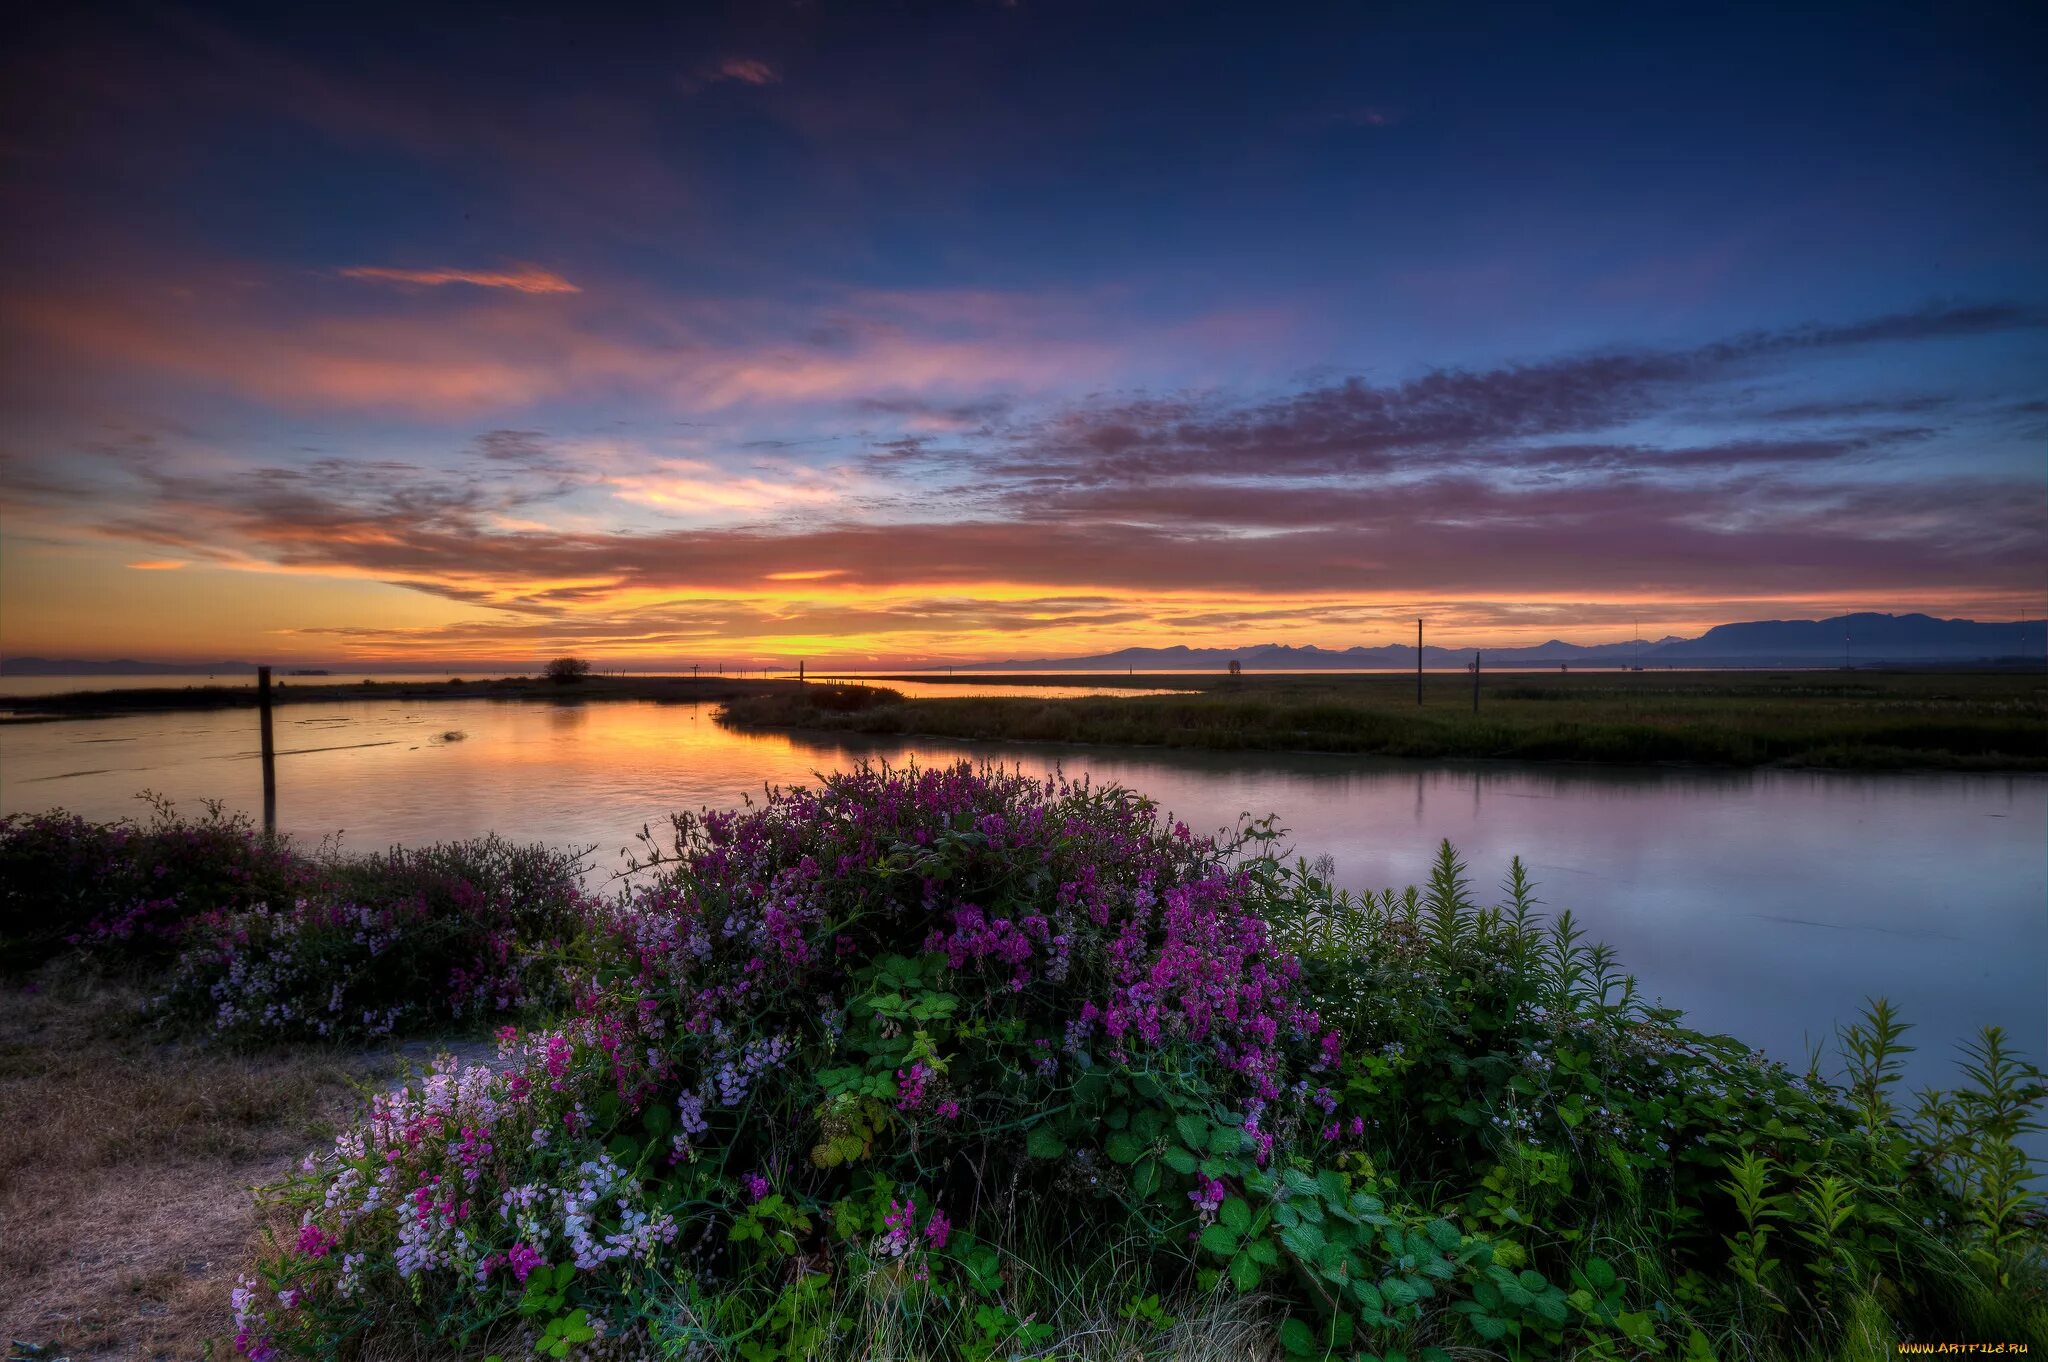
<point>1963,720</point>
<point>948,1063</point>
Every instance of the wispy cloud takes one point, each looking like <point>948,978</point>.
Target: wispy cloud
<point>691,487</point>
<point>1500,415</point>
<point>747,71</point>
<point>521,279</point>
<point>454,356</point>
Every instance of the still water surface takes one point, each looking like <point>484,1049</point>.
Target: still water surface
<point>13,686</point>
<point>1768,904</point>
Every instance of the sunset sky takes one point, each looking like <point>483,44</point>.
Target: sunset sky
<point>879,335</point>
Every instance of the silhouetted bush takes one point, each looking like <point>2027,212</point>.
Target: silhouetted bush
<point>564,671</point>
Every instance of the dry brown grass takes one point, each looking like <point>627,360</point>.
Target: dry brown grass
<point>126,1168</point>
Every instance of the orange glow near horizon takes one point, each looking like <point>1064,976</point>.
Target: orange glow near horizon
<point>85,604</point>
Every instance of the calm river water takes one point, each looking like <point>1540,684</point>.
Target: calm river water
<point>1768,904</point>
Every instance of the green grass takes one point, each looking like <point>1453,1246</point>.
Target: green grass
<point>1852,720</point>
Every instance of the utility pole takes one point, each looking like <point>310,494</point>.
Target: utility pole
<point>269,752</point>
<point>1475,682</point>
<point>1418,660</point>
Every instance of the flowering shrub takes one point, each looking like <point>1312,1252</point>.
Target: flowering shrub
<point>845,1027</point>
<point>875,1040</point>
<point>460,933</point>
<point>126,891</point>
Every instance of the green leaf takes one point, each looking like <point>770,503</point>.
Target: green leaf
<point>1225,1139</point>
<point>1193,1131</point>
<point>1444,1234</point>
<point>1303,1241</point>
<point>1298,1339</point>
<point>1332,1184</point>
<point>1219,1239</point>
<point>1244,1272</point>
<point>1123,1148</point>
<point>1235,1213</point>
<point>1145,1178</point>
<point>1179,1160</point>
<point>1042,1143</point>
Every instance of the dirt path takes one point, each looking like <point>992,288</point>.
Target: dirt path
<point>127,1167</point>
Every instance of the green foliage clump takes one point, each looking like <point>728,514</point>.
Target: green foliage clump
<point>126,891</point>
<point>1681,1191</point>
<point>415,939</point>
<point>264,942</point>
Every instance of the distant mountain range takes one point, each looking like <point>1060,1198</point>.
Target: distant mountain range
<point>120,666</point>
<point>1859,640</point>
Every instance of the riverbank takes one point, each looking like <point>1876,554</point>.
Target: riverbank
<point>683,690</point>
<point>1907,720</point>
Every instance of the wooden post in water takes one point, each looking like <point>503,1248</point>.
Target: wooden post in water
<point>1418,659</point>
<point>269,751</point>
<point>1475,681</point>
<point>799,671</point>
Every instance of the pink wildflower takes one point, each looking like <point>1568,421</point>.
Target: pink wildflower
<point>523,1260</point>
